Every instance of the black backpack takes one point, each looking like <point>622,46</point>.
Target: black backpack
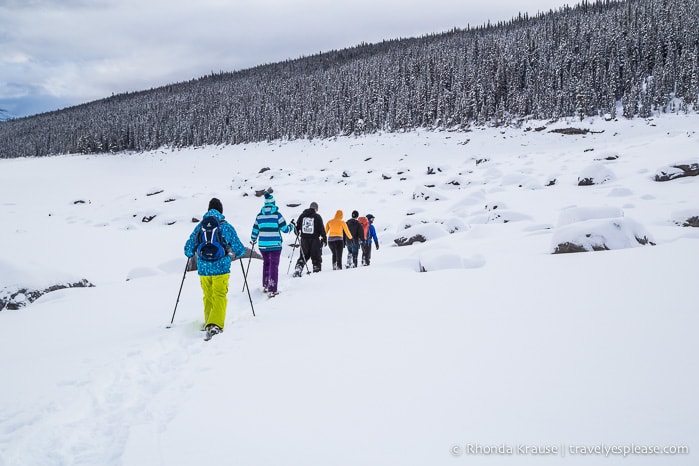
<point>212,245</point>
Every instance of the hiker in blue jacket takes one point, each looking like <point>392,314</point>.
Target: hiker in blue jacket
<point>214,274</point>
<point>369,235</point>
<point>269,224</point>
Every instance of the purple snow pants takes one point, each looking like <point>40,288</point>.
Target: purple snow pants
<point>270,269</point>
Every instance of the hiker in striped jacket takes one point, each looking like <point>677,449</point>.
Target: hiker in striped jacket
<point>266,232</point>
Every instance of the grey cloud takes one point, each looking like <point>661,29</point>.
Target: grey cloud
<point>55,4</point>
<point>87,49</point>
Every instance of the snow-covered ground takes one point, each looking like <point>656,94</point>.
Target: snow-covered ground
<point>467,348</point>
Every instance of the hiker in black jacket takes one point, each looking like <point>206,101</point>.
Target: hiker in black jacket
<point>357,232</point>
<point>311,231</point>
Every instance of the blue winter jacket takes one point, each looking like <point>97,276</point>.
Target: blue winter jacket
<point>372,235</point>
<point>223,265</point>
<point>268,223</point>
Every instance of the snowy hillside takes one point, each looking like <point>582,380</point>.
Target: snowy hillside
<point>472,344</point>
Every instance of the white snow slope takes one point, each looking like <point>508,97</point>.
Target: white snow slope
<point>497,353</point>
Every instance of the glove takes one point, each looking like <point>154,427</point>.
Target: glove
<point>325,241</point>
<point>291,226</point>
<point>377,246</point>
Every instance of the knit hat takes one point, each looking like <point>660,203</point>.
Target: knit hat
<point>215,204</point>
<point>369,216</point>
<point>314,205</point>
<point>355,214</point>
<point>269,199</point>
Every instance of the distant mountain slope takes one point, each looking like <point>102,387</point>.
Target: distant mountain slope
<point>582,61</point>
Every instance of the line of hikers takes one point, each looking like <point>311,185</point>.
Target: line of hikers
<point>355,234</point>
<point>215,244</point>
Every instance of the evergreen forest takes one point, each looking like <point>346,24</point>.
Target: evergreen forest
<point>618,59</point>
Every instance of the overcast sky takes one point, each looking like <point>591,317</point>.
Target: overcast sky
<point>57,53</point>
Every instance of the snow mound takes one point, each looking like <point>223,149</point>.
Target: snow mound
<point>427,194</point>
<point>595,174</point>
<point>600,235</point>
<point>445,259</point>
<point>580,214</point>
<point>141,272</point>
<point>22,286</point>
<point>497,216</point>
<point>421,234</point>
<point>686,218</point>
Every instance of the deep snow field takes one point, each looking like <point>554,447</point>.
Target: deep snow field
<point>477,346</point>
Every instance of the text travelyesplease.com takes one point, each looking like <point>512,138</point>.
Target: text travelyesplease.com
<point>475,449</point>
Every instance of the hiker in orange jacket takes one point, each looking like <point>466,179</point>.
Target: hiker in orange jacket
<point>336,230</point>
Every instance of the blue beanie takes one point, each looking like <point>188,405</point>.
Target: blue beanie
<point>269,199</point>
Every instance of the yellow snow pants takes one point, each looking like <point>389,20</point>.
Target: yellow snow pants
<point>215,289</point>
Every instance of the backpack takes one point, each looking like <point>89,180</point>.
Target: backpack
<point>365,224</point>
<point>211,245</point>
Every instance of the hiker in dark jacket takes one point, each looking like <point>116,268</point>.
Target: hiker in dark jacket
<point>357,232</point>
<point>311,231</point>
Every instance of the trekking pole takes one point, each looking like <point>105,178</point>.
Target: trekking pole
<point>252,248</point>
<point>292,254</point>
<point>179,293</point>
<point>242,269</point>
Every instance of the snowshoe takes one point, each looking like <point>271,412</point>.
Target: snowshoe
<point>212,330</point>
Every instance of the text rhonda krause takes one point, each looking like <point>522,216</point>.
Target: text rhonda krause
<point>477,449</point>
<point>573,450</point>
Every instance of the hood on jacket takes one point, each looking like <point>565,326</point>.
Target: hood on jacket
<point>269,209</point>
<point>338,215</point>
<point>215,213</point>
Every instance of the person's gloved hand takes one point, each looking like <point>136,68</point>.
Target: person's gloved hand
<point>377,246</point>
<point>291,226</point>
<point>325,241</point>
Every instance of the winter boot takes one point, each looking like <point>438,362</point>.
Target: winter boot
<point>212,330</point>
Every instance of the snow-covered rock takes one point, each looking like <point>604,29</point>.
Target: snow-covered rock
<point>679,170</point>
<point>595,174</point>
<point>421,234</point>
<point>21,287</point>
<point>686,218</point>
<point>600,235</point>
